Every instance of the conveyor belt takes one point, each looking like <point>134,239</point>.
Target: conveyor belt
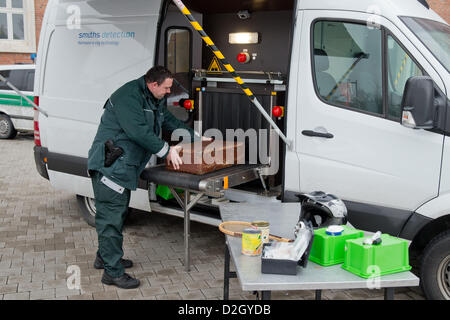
<point>209,183</point>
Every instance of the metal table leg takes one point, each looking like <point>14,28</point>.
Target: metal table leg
<point>266,295</point>
<point>389,293</point>
<point>227,274</point>
<point>186,204</point>
<point>318,294</point>
<point>187,231</point>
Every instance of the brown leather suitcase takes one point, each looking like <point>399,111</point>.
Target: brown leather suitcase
<point>209,156</point>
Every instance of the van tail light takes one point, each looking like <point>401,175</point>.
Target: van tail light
<point>37,134</point>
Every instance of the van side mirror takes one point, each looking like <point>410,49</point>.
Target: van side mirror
<point>418,107</point>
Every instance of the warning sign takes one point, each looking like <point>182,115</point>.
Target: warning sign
<point>214,66</point>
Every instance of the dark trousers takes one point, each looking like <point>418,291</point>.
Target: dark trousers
<point>111,210</point>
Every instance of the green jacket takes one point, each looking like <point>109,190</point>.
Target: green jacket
<point>133,119</point>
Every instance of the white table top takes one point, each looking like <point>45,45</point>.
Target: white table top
<point>282,218</point>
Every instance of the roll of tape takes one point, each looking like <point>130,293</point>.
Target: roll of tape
<point>334,230</point>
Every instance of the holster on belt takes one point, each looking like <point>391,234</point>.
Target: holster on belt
<point>111,153</point>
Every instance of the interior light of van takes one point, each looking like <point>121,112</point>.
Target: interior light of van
<point>243,38</point>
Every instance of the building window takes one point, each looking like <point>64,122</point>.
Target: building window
<point>17,26</point>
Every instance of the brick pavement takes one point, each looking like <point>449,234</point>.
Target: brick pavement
<point>42,234</point>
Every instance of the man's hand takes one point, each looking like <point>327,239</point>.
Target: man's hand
<point>206,138</point>
<point>174,156</point>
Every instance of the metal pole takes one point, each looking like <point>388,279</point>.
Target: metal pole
<point>187,231</point>
<point>185,11</point>
<point>9,84</point>
<point>200,112</point>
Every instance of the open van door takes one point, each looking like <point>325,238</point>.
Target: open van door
<point>180,50</point>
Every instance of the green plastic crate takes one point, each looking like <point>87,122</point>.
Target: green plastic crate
<point>164,192</point>
<point>366,261</point>
<point>329,250</point>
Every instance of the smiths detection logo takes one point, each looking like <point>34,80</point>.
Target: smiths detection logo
<point>104,38</point>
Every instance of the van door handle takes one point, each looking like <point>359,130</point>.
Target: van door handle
<point>311,133</point>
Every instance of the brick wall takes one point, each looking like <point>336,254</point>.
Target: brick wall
<point>442,7</point>
<point>12,58</point>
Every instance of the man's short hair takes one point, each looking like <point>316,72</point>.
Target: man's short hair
<point>157,74</point>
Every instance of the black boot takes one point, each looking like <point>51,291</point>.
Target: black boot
<point>99,264</point>
<point>125,281</point>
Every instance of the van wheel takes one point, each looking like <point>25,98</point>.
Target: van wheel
<point>435,268</point>
<point>7,130</point>
<point>87,208</point>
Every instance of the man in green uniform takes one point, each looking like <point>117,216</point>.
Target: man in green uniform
<point>128,135</point>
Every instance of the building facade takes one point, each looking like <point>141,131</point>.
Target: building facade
<point>442,7</point>
<point>21,20</point>
<point>20,26</point>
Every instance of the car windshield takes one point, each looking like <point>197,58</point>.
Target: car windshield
<point>434,35</point>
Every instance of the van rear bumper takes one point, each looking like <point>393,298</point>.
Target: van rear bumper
<point>39,154</point>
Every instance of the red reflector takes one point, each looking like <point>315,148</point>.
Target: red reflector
<point>37,139</point>
<point>187,104</point>
<point>37,134</point>
<point>277,111</point>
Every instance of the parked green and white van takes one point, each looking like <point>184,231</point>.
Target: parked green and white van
<point>16,114</point>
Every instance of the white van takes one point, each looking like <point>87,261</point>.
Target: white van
<point>16,114</point>
<point>339,69</point>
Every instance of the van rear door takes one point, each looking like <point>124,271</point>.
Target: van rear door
<point>180,50</point>
<point>86,60</point>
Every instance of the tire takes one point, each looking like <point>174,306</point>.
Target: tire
<point>7,130</point>
<point>87,208</point>
<point>435,268</point>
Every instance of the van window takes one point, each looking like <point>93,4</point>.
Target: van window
<point>29,81</point>
<point>21,79</point>
<point>16,77</point>
<point>400,68</point>
<point>5,74</point>
<point>348,65</point>
<point>178,51</point>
